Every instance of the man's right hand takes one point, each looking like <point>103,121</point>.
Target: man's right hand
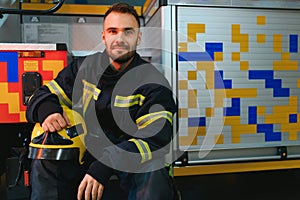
<point>55,122</point>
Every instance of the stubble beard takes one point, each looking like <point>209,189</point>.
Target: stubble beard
<point>123,58</point>
<point>120,58</point>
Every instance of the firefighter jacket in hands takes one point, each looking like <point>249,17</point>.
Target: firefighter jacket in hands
<point>128,114</point>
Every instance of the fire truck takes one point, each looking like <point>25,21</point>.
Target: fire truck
<point>24,68</point>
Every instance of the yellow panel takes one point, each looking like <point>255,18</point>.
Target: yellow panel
<point>245,128</point>
<point>219,139</point>
<point>209,112</point>
<point>237,130</point>
<point>197,131</point>
<point>293,101</point>
<point>241,93</point>
<point>182,47</point>
<point>278,116</point>
<point>53,65</point>
<point>237,37</point>
<point>230,120</point>
<point>13,103</point>
<point>193,29</point>
<point>22,117</point>
<point>192,98</point>
<point>218,56</point>
<point>236,167</point>
<point>261,38</point>
<point>219,98</point>
<point>187,140</point>
<point>208,67</point>
<point>244,65</point>
<point>292,129</point>
<point>73,9</point>
<point>182,84</point>
<point>285,63</point>
<point>183,113</point>
<point>146,5</point>
<point>235,56</point>
<point>31,65</point>
<point>192,75</point>
<point>10,98</point>
<point>261,20</point>
<point>244,43</point>
<point>277,43</point>
<point>235,28</point>
<point>261,110</point>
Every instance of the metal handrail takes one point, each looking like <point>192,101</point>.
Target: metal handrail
<point>32,12</point>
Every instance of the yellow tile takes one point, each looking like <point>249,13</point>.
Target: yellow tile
<point>192,99</point>
<point>244,65</point>
<point>235,56</point>
<point>261,20</point>
<point>192,75</point>
<point>193,29</point>
<point>261,38</point>
<point>53,65</point>
<point>209,112</point>
<point>277,43</point>
<point>183,85</point>
<point>198,131</point>
<point>219,139</point>
<point>183,113</point>
<point>218,56</point>
<point>241,93</point>
<point>182,47</point>
<point>261,110</point>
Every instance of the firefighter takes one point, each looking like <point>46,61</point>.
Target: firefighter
<point>128,108</point>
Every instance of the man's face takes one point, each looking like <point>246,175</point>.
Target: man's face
<point>120,35</point>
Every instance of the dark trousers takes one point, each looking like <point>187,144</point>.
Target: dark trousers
<point>59,180</point>
<point>54,180</point>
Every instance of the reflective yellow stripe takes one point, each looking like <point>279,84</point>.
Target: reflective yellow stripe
<point>56,89</point>
<point>127,101</point>
<point>145,120</point>
<point>143,148</point>
<point>89,91</point>
<point>96,93</point>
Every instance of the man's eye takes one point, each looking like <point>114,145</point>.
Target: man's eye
<point>129,32</point>
<point>112,31</point>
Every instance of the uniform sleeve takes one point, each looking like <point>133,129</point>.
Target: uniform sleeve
<point>48,98</point>
<point>149,144</point>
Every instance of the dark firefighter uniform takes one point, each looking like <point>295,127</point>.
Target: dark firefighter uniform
<point>129,119</point>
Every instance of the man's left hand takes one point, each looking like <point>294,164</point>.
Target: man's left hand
<point>90,188</point>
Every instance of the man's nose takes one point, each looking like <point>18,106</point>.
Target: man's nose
<point>120,36</point>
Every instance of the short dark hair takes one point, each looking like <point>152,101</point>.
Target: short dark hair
<point>123,8</point>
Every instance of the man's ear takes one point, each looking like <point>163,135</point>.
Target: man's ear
<point>139,38</point>
<point>103,37</point>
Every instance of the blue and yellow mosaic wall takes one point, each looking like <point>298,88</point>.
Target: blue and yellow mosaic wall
<point>242,65</point>
<point>12,67</point>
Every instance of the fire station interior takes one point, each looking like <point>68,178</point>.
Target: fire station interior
<point>266,171</point>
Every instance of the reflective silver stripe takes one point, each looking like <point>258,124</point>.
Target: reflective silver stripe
<point>145,120</point>
<point>56,89</point>
<point>143,148</point>
<point>53,154</point>
<point>127,101</point>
